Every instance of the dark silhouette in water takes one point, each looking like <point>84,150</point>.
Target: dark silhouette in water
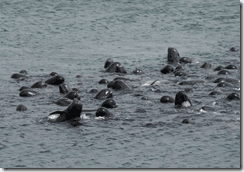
<point>56,80</point>
<point>21,108</point>
<point>182,100</point>
<point>104,94</point>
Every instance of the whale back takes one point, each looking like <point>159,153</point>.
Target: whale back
<point>104,94</point>
<point>73,110</point>
<point>113,67</point>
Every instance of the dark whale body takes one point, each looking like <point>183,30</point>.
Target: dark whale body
<point>63,102</point>
<point>39,84</point>
<point>182,100</point>
<point>103,112</point>
<point>109,103</point>
<point>28,93</point>
<point>167,99</point>
<point>118,85</point>
<point>72,95</point>
<point>108,62</point>
<point>21,108</point>
<point>24,88</point>
<point>18,75</point>
<point>215,93</point>
<point>186,60</point>
<point>233,96</point>
<point>219,68</point>
<point>191,82</point>
<point>23,72</point>
<point>116,67</point>
<point>137,71</point>
<point>56,80</point>
<point>223,72</point>
<point>73,111</point>
<point>104,94</point>
<point>167,69</point>
<point>53,74</point>
<point>103,81</point>
<point>64,88</point>
<point>206,65</point>
<point>230,67</point>
<point>173,55</point>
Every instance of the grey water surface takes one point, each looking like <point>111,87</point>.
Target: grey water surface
<point>73,37</point>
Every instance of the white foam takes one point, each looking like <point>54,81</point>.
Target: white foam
<point>83,116</point>
<point>201,110</point>
<point>100,118</point>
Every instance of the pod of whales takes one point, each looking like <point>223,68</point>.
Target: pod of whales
<point>177,66</point>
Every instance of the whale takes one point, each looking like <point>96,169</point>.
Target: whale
<point>21,108</point>
<point>173,56</point>
<point>63,102</point>
<point>103,112</point>
<point>108,62</point>
<point>24,88</point>
<point>103,81</point>
<point>230,67</point>
<point>104,94</point>
<point>109,103</point>
<point>182,100</point>
<point>219,68</point>
<point>64,88</point>
<point>167,69</point>
<point>223,72</point>
<point>72,111</point>
<point>191,82</point>
<point>72,95</point>
<point>118,85</point>
<point>186,60</point>
<point>18,76</point>
<point>23,72</point>
<point>28,93</point>
<point>167,99</point>
<point>233,96</point>
<point>206,65</point>
<point>115,67</point>
<point>53,74</point>
<point>56,80</point>
<point>39,84</point>
<point>137,71</point>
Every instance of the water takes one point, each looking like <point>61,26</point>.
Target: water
<point>75,38</point>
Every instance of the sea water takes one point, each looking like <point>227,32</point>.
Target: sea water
<point>73,38</point>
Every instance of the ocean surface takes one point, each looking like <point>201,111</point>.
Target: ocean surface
<point>74,37</point>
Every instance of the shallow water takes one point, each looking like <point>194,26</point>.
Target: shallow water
<point>76,38</point>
